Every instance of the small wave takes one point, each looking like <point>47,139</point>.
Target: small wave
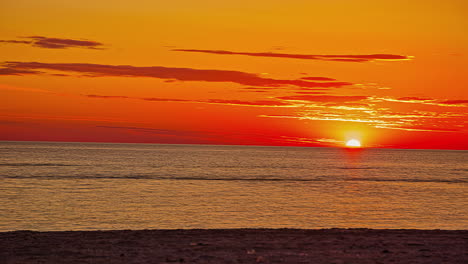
<point>35,164</point>
<point>462,170</point>
<point>245,179</point>
<point>239,179</point>
<point>409,180</point>
<point>357,168</point>
<point>149,177</point>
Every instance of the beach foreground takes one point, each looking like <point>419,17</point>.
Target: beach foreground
<point>236,246</point>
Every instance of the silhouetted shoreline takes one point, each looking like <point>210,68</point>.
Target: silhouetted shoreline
<point>236,246</point>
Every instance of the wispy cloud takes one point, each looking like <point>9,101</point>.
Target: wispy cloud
<point>16,41</point>
<point>329,140</point>
<point>13,71</point>
<point>157,131</point>
<point>406,122</point>
<point>414,99</point>
<point>264,103</point>
<point>454,102</point>
<point>417,128</point>
<point>209,137</point>
<point>341,118</point>
<point>344,58</point>
<point>56,43</point>
<point>318,79</point>
<point>107,96</point>
<point>257,103</point>
<point>312,141</point>
<point>323,98</point>
<point>309,92</point>
<point>22,89</point>
<point>168,73</point>
<point>369,111</point>
<point>424,101</point>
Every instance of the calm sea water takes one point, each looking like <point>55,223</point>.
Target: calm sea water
<point>91,186</point>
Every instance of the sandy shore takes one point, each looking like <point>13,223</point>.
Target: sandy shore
<point>236,246</point>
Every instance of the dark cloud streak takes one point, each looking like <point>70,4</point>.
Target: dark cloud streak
<point>455,102</point>
<point>16,41</point>
<point>13,71</point>
<point>180,74</point>
<point>318,79</point>
<point>323,98</point>
<point>414,99</point>
<point>258,103</point>
<point>56,43</point>
<point>344,58</point>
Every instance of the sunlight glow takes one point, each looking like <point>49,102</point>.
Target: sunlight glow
<point>354,143</point>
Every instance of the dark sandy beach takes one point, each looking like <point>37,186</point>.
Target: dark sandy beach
<point>236,246</point>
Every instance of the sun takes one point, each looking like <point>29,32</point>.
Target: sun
<point>353,143</point>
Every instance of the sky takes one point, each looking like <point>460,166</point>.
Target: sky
<point>391,74</point>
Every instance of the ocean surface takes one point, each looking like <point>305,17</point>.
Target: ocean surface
<point>94,186</point>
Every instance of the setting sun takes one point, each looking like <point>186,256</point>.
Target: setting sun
<point>354,143</point>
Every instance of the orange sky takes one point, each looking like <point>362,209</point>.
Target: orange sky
<point>300,73</point>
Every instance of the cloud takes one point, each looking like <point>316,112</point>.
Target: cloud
<point>413,100</point>
<point>246,103</point>
<point>381,117</point>
<point>161,135</point>
<point>417,99</point>
<point>329,140</point>
<point>166,132</point>
<point>424,101</point>
<point>454,102</point>
<point>56,43</point>
<point>200,136</point>
<point>16,41</point>
<point>22,89</point>
<point>107,96</point>
<point>349,106</point>
<point>207,136</point>
<point>311,141</point>
<point>155,99</point>
<point>308,92</point>
<point>301,140</point>
<point>326,118</point>
<point>318,79</point>
<point>9,122</point>
<point>13,71</point>
<point>255,91</point>
<point>344,58</point>
<point>323,98</point>
<point>180,74</point>
<point>258,103</point>
<point>418,128</point>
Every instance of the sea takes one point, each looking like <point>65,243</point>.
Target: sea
<point>51,186</point>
